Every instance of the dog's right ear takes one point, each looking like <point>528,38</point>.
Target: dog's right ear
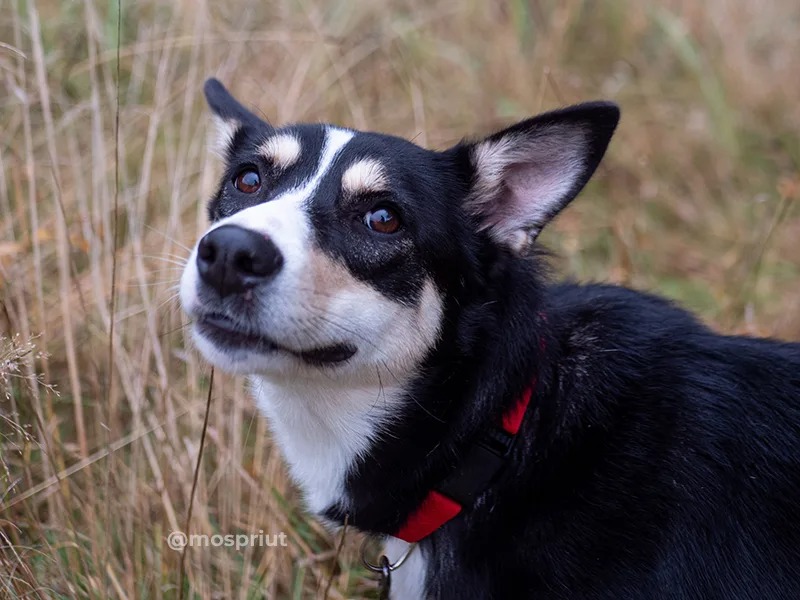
<point>525,174</point>
<point>229,115</point>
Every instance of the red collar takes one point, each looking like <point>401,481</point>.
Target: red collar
<point>482,462</point>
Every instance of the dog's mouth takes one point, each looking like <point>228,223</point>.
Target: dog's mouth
<point>226,334</point>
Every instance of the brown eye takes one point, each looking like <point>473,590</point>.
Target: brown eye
<point>248,181</point>
<point>382,220</point>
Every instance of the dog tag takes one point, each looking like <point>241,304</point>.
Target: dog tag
<point>386,579</point>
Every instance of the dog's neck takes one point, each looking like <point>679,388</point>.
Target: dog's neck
<point>373,450</point>
<point>323,429</point>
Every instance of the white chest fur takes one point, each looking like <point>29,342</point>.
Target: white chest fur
<point>322,429</point>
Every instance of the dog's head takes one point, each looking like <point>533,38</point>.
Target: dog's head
<point>333,250</point>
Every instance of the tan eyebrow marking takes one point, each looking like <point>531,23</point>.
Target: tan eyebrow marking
<point>282,149</point>
<point>365,176</point>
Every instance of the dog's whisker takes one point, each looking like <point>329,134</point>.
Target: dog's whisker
<point>168,238</point>
<point>178,261</point>
<point>175,329</point>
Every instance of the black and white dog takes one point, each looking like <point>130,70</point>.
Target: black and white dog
<point>425,381</point>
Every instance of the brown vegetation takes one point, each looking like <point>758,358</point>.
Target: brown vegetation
<point>697,199</point>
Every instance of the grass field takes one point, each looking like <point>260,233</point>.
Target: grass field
<point>104,170</point>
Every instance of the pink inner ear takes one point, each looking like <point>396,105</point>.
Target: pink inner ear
<point>529,193</point>
<point>535,187</point>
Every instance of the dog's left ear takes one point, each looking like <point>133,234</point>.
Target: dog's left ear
<point>524,175</point>
<point>229,115</point>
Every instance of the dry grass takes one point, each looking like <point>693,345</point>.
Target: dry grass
<point>99,437</point>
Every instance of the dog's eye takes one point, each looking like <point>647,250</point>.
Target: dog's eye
<point>247,181</point>
<point>382,220</point>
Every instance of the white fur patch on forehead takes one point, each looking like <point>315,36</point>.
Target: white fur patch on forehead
<point>223,133</point>
<point>335,140</point>
<point>365,176</point>
<point>283,150</point>
<point>522,181</point>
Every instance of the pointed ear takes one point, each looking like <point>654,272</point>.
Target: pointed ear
<point>524,175</point>
<point>229,115</point>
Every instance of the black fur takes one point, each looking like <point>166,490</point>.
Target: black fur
<point>660,460</point>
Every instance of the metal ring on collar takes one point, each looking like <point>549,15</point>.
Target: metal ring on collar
<point>379,568</point>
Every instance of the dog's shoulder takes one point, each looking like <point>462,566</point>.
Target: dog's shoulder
<point>608,332</point>
<point>617,306</point>
<point>613,342</point>
<point>624,318</point>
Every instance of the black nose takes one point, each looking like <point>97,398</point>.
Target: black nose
<point>232,259</point>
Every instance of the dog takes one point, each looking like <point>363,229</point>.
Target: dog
<point>427,382</point>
